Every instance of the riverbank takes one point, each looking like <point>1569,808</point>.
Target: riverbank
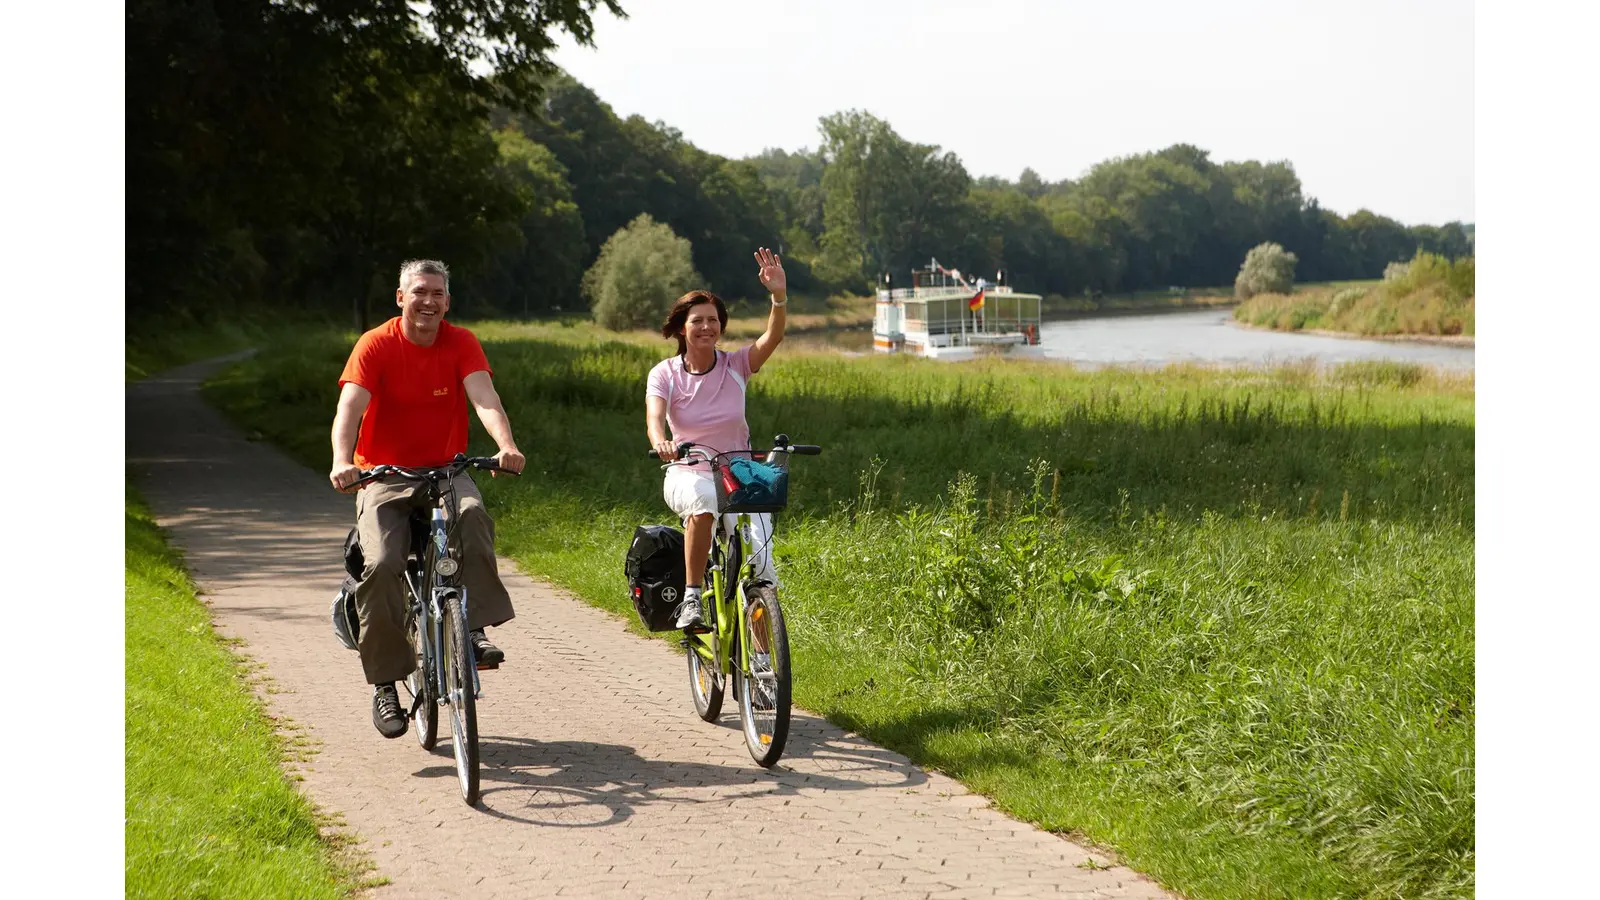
<point>1217,619</point>
<point>1444,340</point>
<point>1429,296</point>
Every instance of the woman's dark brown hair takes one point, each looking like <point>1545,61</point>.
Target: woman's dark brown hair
<point>679,316</point>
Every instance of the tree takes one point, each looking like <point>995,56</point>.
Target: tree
<point>641,270</point>
<point>623,167</point>
<point>1267,269</point>
<point>332,139</point>
<point>1031,185</point>
<point>537,264</point>
<point>887,203</point>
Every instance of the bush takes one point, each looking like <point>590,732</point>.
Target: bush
<point>1285,312</point>
<point>640,271</point>
<point>1344,300</point>
<point>1267,269</point>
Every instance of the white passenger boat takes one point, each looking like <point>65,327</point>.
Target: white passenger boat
<point>945,316</point>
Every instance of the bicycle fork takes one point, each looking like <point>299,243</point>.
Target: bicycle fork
<point>441,547</point>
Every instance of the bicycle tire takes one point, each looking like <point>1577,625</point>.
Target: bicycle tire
<point>462,700</point>
<point>420,682</point>
<point>764,699</point>
<point>706,684</point>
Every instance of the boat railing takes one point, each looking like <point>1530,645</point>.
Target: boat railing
<point>941,293</point>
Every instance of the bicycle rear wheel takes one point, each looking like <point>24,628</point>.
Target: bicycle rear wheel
<point>463,700</point>
<point>764,686</point>
<point>420,684</point>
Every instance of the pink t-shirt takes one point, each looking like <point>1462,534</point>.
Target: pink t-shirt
<point>707,408</point>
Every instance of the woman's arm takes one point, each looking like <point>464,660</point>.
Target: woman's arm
<point>777,283</point>
<point>655,424</point>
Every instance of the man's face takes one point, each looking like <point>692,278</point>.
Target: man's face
<point>423,301</point>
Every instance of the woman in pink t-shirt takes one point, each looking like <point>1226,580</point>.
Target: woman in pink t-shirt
<point>699,394</point>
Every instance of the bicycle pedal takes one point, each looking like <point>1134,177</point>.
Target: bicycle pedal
<point>699,629</point>
<point>484,667</point>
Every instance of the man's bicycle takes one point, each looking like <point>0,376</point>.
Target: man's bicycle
<point>744,639</point>
<point>436,617</point>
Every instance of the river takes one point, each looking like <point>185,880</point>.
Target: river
<point>1205,336</point>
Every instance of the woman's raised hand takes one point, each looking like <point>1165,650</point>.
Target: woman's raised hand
<point>771,272</point>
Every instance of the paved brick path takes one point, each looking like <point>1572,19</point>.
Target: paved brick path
<point>598,779</point>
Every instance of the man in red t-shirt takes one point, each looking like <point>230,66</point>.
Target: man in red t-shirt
<point>405,391</point>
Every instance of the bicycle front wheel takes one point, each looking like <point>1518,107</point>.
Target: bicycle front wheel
<point>462,698</point>
<point>419,684</point>
<point>763,684</point>
<point>705,682</point>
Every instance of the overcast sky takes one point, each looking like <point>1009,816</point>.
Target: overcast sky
<point>1371,101</point>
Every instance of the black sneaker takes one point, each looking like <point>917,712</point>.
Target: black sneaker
<point>486,653</point>
<point>387,713</point>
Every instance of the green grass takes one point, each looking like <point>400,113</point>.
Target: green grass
<point>209,810</point>
<point>1220,621</point>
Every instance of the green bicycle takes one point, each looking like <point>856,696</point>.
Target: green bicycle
<point>744,639</point>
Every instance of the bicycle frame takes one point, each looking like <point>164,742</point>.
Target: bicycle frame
<point>428,605</point>
<point>727,596</point>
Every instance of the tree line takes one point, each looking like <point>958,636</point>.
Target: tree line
<point>291,154</point>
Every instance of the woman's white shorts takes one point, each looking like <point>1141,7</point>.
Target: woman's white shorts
<point>690,492</point>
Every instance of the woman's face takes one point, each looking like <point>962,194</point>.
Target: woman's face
<point>702,329</point>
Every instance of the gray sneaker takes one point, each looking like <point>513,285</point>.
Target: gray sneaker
<point>689,612</point>
<point>387,714</point>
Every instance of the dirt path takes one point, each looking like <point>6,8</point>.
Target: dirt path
<point>598,779</point>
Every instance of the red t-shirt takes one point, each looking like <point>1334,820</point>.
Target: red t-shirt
<point>418,413</point>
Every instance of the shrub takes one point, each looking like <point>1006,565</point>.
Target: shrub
<point>1344,299</point>
<point>1268,268</point>
<point>1286,312</point>
<point>640,271</point>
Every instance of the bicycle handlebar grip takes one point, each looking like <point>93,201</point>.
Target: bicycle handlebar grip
<point>683,450</point>
<point>806,449</point>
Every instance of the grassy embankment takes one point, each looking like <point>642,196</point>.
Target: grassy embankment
<point>1429,296</point>
<point>166,342</point>
<point>209,811</point>
<point>1220,621</point>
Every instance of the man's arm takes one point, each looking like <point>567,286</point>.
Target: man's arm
<point>486,400</point>
<point>353,400</point>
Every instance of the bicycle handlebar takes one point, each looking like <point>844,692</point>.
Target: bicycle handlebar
<point>780,444</point>
<point>456,466</point>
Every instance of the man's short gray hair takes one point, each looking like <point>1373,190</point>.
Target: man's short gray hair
<point>424,267</point>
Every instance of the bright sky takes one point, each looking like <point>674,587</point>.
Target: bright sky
<point>1371,101</point>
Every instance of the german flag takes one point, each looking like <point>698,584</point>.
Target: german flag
<point>975,302</point>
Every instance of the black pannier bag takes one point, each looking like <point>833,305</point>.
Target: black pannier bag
<point>654,566</point>
<point>354,561</point>
<point>346,621</point>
